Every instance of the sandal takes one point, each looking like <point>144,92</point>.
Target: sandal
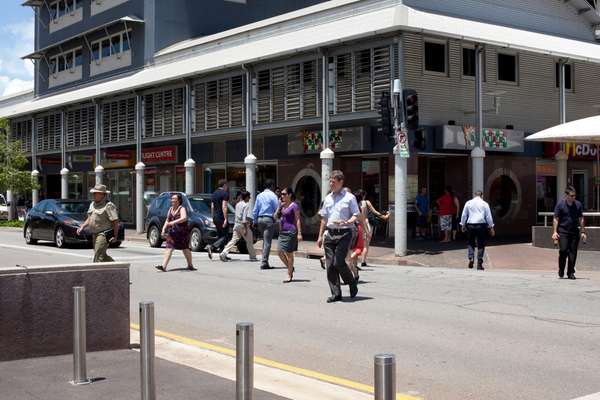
<point>191,268</point>
<point>160,268</point>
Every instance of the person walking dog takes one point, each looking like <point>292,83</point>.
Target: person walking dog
<point>338,215</point>
<point>477,220</point>
<point>568,218</point>
<point>103,222</point>
<point>177,232</point>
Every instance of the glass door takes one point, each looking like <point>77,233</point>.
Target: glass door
<point>579,180</point>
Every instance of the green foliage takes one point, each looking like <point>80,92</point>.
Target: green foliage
<point>11,224</point>
<point>13,164</point>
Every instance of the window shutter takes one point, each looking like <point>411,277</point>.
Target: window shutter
<point>212,105</point>
<point>264,97</point>
<point>309,89</point>
<point>118,121</point>
<point>178,111</point>
<point>21,132</point>
<point>237,101</point>
<point>278,94</point>
<point>148,115</point>
<point>292,96</point>
<point>382,76</point>
<point>200,106</point>
<point>223,103</point>
<point>362,81</point>
<point>343,92</point>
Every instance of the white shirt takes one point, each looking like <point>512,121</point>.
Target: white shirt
<point>241,213</point>
<point>340,207</point>
<point>477,211</point>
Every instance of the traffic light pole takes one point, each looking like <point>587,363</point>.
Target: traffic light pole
<point>400,175</point>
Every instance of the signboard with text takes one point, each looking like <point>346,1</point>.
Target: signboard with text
<point>575,151</point>
<point>311,142</point>
<point>158,155</point>
<point>456,137</point>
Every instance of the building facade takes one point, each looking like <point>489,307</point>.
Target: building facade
<point>157,87</point>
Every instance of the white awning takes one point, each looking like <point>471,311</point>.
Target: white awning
<point>354,21</point>
<point>586,130</point>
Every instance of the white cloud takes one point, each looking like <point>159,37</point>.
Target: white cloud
<point>15,85</point>
<point>17,40</point>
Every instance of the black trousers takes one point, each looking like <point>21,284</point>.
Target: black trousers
<point>219,244</point>
<point>477,234</point>
<point>337,243</point>
<point>568,243</point>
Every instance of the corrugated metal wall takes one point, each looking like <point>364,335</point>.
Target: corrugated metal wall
<point>530,105</point>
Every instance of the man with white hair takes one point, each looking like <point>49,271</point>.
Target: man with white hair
<point>477,220</point>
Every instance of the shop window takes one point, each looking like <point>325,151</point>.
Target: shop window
<point>308,194</point>
<point>507,67</point>
<point>568,76</point>
<point>435,57</point>
<point>504,196</point>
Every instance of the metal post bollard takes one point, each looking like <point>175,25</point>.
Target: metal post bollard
<point>385,377</point>
<point>79,337</point>
<point>244,365</point>
<point>147,350</point>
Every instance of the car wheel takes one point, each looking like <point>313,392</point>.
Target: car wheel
<point>29,235</point>
<point>154,236</point>
<point>59,238</point>
<point>196,240</point>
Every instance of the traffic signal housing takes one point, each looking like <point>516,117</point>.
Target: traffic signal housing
<point>420,139</point>
<point>411,108</point>
<point>386,125</point>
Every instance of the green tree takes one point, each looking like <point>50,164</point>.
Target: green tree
<point>13,164</point>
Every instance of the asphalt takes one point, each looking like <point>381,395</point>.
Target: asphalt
<point>115,375</point>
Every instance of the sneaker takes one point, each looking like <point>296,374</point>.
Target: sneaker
<point>363,264</point>
<point>254,259</point>
<point>223,257</point>
<point>333,299</point>
<point>192,268</point>
<point>571,276</point>
<point>353,290</point>
<point>209,251</point>
<point>561,274</point>
<point>470,264</point>
<point>480,267</point>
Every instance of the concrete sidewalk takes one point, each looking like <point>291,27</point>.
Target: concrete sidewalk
<point>427,253</point>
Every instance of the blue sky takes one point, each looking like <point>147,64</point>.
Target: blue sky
<point>16,40</point>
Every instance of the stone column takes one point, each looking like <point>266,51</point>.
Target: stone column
<point>139,197</point>
<point>190,176</point>
<point>64,183</point>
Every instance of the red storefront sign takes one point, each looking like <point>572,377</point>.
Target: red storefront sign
<point>117,155</point>
<point>50,161</point>
<point>159,155</point>
<point>575,151</point>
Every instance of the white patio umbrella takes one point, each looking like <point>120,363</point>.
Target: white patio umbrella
<point>585,130</point>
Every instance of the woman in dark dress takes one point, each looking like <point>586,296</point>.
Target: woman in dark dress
<point>290,231</point>
<point>176,232</point>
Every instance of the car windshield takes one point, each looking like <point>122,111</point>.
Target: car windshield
<point>200,205</point>
<point>72,207</point>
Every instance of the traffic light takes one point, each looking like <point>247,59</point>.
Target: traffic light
<point>419,139</point>
<point>411,108</point>
<point>386,126</point>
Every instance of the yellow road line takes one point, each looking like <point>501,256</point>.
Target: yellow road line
<point>274,364</point>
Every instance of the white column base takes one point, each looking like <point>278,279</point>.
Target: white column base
<point>35,193</point>
<point>477,157</point>
<point>190,176</point>
<point>327,156</point>
<point>99,172</point>
<point>139,197</point>
<point>64,183</point>
<point>11,205</point>
<point>250,162</point>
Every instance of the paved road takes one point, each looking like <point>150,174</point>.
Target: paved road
<point>457,334</point>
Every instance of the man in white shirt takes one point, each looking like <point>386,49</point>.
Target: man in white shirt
<point>338,215</point>
<point>477,221</point>
<point>241,229</point>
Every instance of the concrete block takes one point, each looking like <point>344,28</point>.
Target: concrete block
<point>36,309</point>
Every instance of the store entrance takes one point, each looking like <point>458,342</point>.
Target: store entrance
<point>120,183</point>
<point>579,182</point>
<point>371,181</point>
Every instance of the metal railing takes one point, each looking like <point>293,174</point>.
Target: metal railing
<point>586,215</point>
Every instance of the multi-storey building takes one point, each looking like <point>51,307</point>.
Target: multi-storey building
<point>158,83</point>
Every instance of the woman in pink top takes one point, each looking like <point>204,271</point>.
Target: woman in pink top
<point>445,211</point>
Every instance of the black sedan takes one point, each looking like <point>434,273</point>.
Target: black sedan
<point>58,221</point>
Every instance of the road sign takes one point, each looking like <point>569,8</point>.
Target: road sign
<point>402,142</point>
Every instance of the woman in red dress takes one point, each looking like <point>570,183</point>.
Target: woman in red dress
<point>177,233</point>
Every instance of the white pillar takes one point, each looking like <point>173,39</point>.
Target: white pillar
<point>561,174</point>
<point>477,156</point>
<point>10,200</point>
<point>250,162</point>
<point>139,197</point>
<point>190,174</point>
<point>400,178</point>
<point>99,171</point>
<point>64,183</point>
<point>326,168</point>
<point>35,192</point>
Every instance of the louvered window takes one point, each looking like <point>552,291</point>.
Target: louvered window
<point>48,132</point>
<point>200,106</point>
<point>219,104</point>
<point>237,101</point>
<point>81,126</point>
<point>278,94</point>
<point>118,121</point>
<point>292,96</point>
<point>21,132</point>
<point>264,97</point>
<point>382,73</point>
<point>223,103</point>
<point>343,90</point>
<point>309,89</point>
<point>164,113</point>
<point>362,81</point>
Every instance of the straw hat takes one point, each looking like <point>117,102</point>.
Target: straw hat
<point>99,189</point>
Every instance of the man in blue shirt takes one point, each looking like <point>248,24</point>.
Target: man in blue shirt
<point>477,221</point>
<point>264,209</point>
<point>568,217</point>
<point>422,206</point>
<point>338,215</point>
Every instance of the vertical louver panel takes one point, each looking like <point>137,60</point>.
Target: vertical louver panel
<point>292,96</point>
<point>200,106</point>
<point>237,101</point>
<point>343,91</point>
<point>148,115</point>
<point>157,120</point>
<point>309,89</point>
<point>179,111</point>
<point>278,94</point>
<point>212,105</point>
<point>80,127</point>
<point>264,97</point>
<point>223,103</point>
<point>362,81</point>
<point>164,113</point>
<point>21,132</point>
<point>382,76</point>
<point>118,121</point>
<point>48,132</point>
<point>168,113</point>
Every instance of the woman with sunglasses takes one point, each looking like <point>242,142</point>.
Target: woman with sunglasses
<point>290,231</point>
<point>177,233</point>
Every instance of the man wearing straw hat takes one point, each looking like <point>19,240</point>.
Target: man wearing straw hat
<point>103,221</point>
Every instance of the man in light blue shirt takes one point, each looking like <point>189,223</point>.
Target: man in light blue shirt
<point>338,215</point>
<point>477,220</point>
<point>264,208</point>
